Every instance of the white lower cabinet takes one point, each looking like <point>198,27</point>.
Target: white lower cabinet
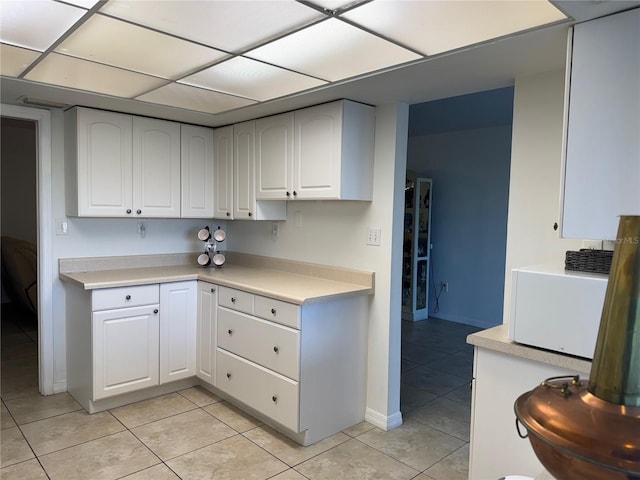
<point>125,350</point>
<point>177,330</point>
<point>126,339</point>
<point>206,332</point>
<point>299,368</point>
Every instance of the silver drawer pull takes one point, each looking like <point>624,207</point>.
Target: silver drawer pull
<point>275,399</point>
<point>228,375</point>
<point>128,297</point>
<point>213,290</point>
<point>155,310</point>
<point>230,332</point>
<point>275,349</point>
<point>273,311</point>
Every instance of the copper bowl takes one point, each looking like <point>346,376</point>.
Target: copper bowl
<point>578,436</point>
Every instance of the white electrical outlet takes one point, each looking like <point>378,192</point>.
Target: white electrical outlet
<point>62,226</point>
<point>373,237</point>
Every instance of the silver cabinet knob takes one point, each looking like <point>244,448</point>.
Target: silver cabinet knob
<point>213,290</point>
<point>250,214</point>
<point>138,211</point>
<point>276,349</point>
<point>128,297</point>
<point>230,332</point>
<point>274,398</point>
<point>228,375</point>
<point>233,299</point>
<point>128,211</point>
<point>155,310</point>
<point>273,311</point>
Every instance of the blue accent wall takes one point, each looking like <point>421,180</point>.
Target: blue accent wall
<point>469,166</point>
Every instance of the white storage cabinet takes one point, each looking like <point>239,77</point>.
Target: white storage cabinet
<point>299,368</point>
<point>602,158</point>
<point>121,165</point>
<point>245,204</point>
<point>120,341</point>
<point>197,172</point>
<point>223,172</point>
<point>324,152</point>
<point>206,332</point>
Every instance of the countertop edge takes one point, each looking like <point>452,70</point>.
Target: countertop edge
<point>351,290</point>
<point>497,339</point>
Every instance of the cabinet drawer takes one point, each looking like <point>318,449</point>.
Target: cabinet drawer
<point>121,297</point>
<point>271,345</point>
<point>280,312</point>
<point>235,299</point>
<point>269,393</point>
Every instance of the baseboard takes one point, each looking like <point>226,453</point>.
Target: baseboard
<point>60,386</point>
<point>474,322</point>
<point>383,421</point>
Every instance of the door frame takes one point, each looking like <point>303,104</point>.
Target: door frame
<point>44,239</point>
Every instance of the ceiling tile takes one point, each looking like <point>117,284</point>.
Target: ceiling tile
<point>229,25</point>
<point>193,98</point>
<point>332,4</point>
<point>35,24</point>
<point>121,44</point>
<point>88,4</point>
<point>13,60</point>
<point>438,26</point>
<point>84,75</point>
<point>252,79</point>
<point>333,50</point>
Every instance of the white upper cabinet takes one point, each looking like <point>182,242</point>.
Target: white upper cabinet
<point>274,157</point>
<point>328,157</point>
<point>197,171</point>
<point>156,168</point>
<point>245,204</point>
<point>121,166</point>
<point>602,162</point>
<point>99,163</point>
<point>243,170</point>
<point>223,172</point>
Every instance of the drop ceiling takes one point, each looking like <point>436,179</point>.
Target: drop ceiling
<point>213,61</point>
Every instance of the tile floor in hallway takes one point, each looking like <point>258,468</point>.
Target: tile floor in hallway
<point>192,434</point>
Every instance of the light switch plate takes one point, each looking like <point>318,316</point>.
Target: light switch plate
<point>373,237</point>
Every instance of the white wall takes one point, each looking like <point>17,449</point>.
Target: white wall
<point>470,173</point>
<point>335,233</point>
<point>534,189</point>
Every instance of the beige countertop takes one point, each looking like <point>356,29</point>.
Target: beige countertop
<point>293,282</point>
<point>497,339</point>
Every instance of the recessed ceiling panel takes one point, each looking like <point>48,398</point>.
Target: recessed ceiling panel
<point>84,75</point>
<point>333,50</point>
<point>438,26</point>
<point>192,98</point>
<point>35,24</point>
<point>252,79</point>
<point>121,44</point>
<point>14,60</point>
<point>229,25</point>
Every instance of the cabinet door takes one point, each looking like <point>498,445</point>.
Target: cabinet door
<point>125,350</point>
<point>197,171</point>
<point>602,164</point>
<point>156,168</point>
<point>177,330</point>
<point>223,172</point>
<point>274,157</point>
<point>318,137</point>
<point>244,170</point>
<point>206,336</point>
<point>104,164</point>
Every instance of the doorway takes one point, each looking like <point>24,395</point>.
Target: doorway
<point>40,120</point>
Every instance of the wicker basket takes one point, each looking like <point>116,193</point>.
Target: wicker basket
<point>589,260</point>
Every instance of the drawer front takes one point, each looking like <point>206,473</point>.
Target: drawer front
<point>122,297</point>
<point>269,393</point>
<point>280,312</point>
<point>235,299</point>
<point>271,345</point>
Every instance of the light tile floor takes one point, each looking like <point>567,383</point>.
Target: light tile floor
<point>194,435</point>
